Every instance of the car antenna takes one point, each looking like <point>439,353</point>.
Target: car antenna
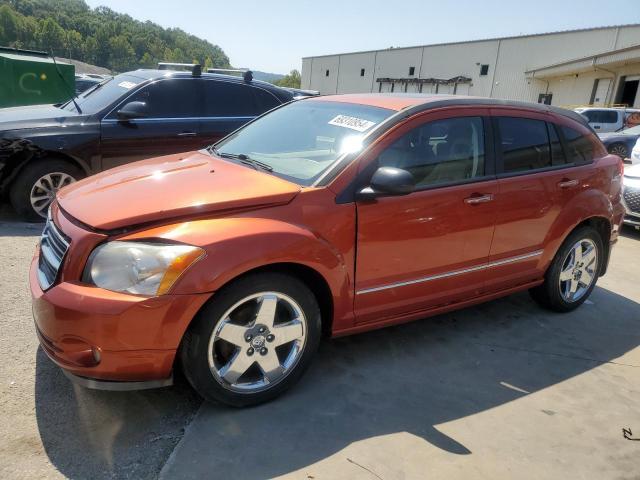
<point>64,80</point>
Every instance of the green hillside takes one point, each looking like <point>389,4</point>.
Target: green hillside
<point>100,36</point>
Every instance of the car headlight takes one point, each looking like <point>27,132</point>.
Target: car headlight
<point>139,268</point>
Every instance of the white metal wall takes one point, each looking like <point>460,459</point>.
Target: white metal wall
<point>508,60</point>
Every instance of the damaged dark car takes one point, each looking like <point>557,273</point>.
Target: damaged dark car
<point>129,117</point>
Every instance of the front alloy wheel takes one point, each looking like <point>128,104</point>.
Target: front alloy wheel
<point>257,342</point>
<point>253,339</point>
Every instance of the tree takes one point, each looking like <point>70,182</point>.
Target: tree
<point>50,36</point>
<point>122,56</point>
<point>292,80</point>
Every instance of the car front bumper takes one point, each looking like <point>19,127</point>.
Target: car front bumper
<point>103,338</point>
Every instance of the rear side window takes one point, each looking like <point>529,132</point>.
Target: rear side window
<point>227,99</point>
<point>524,143</point>
<point>579,146</point>
<point>557,153</point>
<point>601,116</point>
<point>176,98</point>
<point>266,101</point>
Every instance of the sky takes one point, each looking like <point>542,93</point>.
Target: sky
<point>274,35</point>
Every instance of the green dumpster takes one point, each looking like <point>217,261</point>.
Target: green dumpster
<point>31,78</point>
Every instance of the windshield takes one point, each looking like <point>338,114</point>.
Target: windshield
<point>103,94</point>
<point>301,140</point>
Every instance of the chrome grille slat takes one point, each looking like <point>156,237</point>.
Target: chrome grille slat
<point>53,247</point>
<point>632,199</point>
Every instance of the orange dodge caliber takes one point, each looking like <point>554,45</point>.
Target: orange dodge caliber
<point>327,216</point>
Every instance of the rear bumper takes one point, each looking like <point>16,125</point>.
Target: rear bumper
<point>99,335</point>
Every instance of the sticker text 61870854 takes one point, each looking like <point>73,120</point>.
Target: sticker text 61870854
<point>354,123</point>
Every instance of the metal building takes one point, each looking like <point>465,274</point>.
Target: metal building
<point>599,66</point>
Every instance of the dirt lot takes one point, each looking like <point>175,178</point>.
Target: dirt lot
<point>503,390</point>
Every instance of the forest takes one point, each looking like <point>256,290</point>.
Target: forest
<point>100,36</point>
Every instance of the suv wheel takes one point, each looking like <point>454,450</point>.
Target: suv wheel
<point>253,340</point>
<point>573,273</point>
<point>36,186</point>
<point>619,149</point>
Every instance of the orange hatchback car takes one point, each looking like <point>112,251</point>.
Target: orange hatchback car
<point>327,216</point>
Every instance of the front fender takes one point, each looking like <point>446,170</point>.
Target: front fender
<point>236,245</point>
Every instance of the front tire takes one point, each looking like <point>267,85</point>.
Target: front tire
<point>573,273</point>
<point>619,149</point>
<point>253,340</point>
<point>36,186</point>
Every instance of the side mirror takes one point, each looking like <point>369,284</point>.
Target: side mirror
<point>132,110</point>
<point>388,181</point>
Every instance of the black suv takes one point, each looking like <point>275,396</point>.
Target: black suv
<point>129,117</point>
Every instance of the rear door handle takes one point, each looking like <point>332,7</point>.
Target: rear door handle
<point>477,199</point>
<point>566,183</point>
<point>187,134</point>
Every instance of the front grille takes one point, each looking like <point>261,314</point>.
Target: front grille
<point>632,199</point>
<point>53,246</point>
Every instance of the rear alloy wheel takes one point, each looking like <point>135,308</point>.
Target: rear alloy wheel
<point>620,150</point>
<point>253,340</point>
<point>572,275</point>
<point>37,185</point>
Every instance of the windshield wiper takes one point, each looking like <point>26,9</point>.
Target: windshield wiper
<point>246,159</point>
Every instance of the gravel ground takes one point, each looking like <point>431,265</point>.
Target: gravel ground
<point>51,428</point>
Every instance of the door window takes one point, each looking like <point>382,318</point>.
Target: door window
<point>557,153</point>
<point>524,143</point>
<point>174,98</point>
<point>440,152</point>
<point>228,99</point>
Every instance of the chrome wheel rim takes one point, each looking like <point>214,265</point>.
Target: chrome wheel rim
<point>257,342</point>
<point>619,150</point>
<point>44,190</point>
<point>578,270</point>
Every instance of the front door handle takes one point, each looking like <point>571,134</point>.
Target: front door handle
<point>477,199</point>
<point>187,134</point>
<point>566,183</point>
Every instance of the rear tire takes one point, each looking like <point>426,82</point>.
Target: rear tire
<point>572,276</point>
<point>36,185</point>
<point>237,354</point>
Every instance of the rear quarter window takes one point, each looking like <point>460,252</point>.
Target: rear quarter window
<point>580,146</point>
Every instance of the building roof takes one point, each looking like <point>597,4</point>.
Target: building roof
<point>490,39</point>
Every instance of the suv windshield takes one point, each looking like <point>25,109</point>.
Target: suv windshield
<point>104,94</point>
<point>301,140</point>
<point>632,130</point>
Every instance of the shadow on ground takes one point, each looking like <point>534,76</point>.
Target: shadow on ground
<point>401,379</point>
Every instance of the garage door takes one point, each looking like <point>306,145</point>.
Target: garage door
<point>601,91</point>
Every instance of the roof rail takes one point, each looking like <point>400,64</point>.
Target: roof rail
<point>247,75</point>
<point>195,68</point>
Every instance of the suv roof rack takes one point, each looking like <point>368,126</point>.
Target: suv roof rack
<point>247,75</point>
<point>195,68</point>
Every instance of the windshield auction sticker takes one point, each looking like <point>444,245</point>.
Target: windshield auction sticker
<point>353,123</point>
<point>127,85</point>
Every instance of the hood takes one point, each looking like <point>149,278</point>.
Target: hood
<point>36,116</point>
<point>632,171</point>
<point>168,187</point>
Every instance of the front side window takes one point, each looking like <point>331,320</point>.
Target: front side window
<point>174,98</point>
<point>579,146</point>
<point>524,143</point>
<point>439,152</point>
<point>301,140</point>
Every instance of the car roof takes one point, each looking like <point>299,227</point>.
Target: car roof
<point>153,74</point>
<point>418,102</point>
